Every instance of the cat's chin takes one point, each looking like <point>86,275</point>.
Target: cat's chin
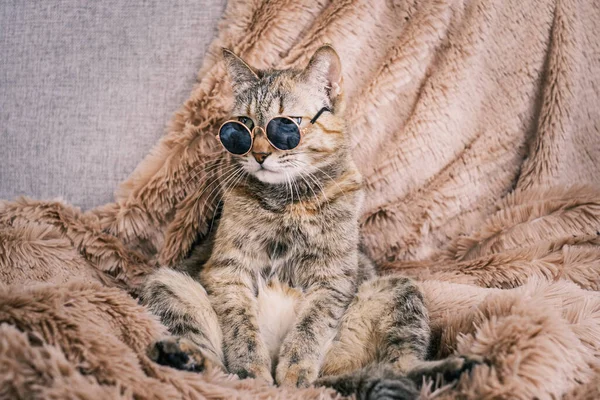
<point>270,177</point>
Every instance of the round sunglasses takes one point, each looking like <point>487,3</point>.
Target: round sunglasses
<point>283,133</point>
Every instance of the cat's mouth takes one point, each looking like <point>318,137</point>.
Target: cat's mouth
<point>264,169</point>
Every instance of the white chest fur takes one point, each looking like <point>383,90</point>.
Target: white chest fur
<point>278,307</point>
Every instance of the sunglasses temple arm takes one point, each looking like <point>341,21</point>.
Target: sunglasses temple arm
<point>321,111</point>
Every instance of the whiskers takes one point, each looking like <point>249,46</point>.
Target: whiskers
<point>288,182</point>
<point>318,185</point>
<point>205,167</point>
<point>313,180</point>
<point>305,166</point>
<point>228,178</point>
<point>227,186</point>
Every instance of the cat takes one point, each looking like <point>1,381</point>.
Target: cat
<point>286,296</point>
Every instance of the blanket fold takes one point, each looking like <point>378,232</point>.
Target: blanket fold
<point>476,126</point>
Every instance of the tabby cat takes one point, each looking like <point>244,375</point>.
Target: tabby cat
<point>286,295</point>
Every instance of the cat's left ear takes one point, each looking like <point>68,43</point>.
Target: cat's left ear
<point>241,74</point>
<point>325,68</point>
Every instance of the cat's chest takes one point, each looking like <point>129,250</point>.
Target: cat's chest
<point>277,240</point>
<point>285,236</point>
<point>283,253</point>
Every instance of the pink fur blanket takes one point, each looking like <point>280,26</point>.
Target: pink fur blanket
<point>476,125</point>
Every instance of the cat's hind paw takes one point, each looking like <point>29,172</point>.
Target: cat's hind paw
<point>388,389</point>
<point>449,369</point>
<point>178,353</point>
<point>461,365</point>
<point>366,387</point>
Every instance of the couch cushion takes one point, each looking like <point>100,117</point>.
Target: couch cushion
<point>87,87</point>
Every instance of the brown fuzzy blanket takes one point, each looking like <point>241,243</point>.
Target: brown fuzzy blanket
<point>476,124</point>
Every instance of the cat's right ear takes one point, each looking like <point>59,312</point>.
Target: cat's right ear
<point>241,74</point>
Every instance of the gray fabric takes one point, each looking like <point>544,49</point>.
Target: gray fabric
<point>87,87</point>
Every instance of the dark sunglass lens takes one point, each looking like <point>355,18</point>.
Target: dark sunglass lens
<point>235,138</point>
<point>283,133</point>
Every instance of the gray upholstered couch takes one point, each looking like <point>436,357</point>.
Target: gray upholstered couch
<point>87,87</point>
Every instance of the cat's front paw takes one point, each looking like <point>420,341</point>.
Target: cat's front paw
<point>178,353</point>
<point>256,371</point>
<point>292,372</point>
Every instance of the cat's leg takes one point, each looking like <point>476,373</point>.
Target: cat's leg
<point>232,288</point>
<point>384,331</point>
<point>406,336</point>
<point>383,338</point>
<point>183,307</point>
<point>386,322</point>
<point>303,348</point>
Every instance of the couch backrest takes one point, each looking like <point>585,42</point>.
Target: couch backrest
<point>87,87</point>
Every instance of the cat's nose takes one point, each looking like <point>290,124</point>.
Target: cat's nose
<point>260,157</point>
<point>261,148</point>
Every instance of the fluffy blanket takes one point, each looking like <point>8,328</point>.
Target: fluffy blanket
<point>476,125</point>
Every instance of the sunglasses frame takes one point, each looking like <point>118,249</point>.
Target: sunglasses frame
<point>251,132</point>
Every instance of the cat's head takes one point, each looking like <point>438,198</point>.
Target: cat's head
<point>261,95</point>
